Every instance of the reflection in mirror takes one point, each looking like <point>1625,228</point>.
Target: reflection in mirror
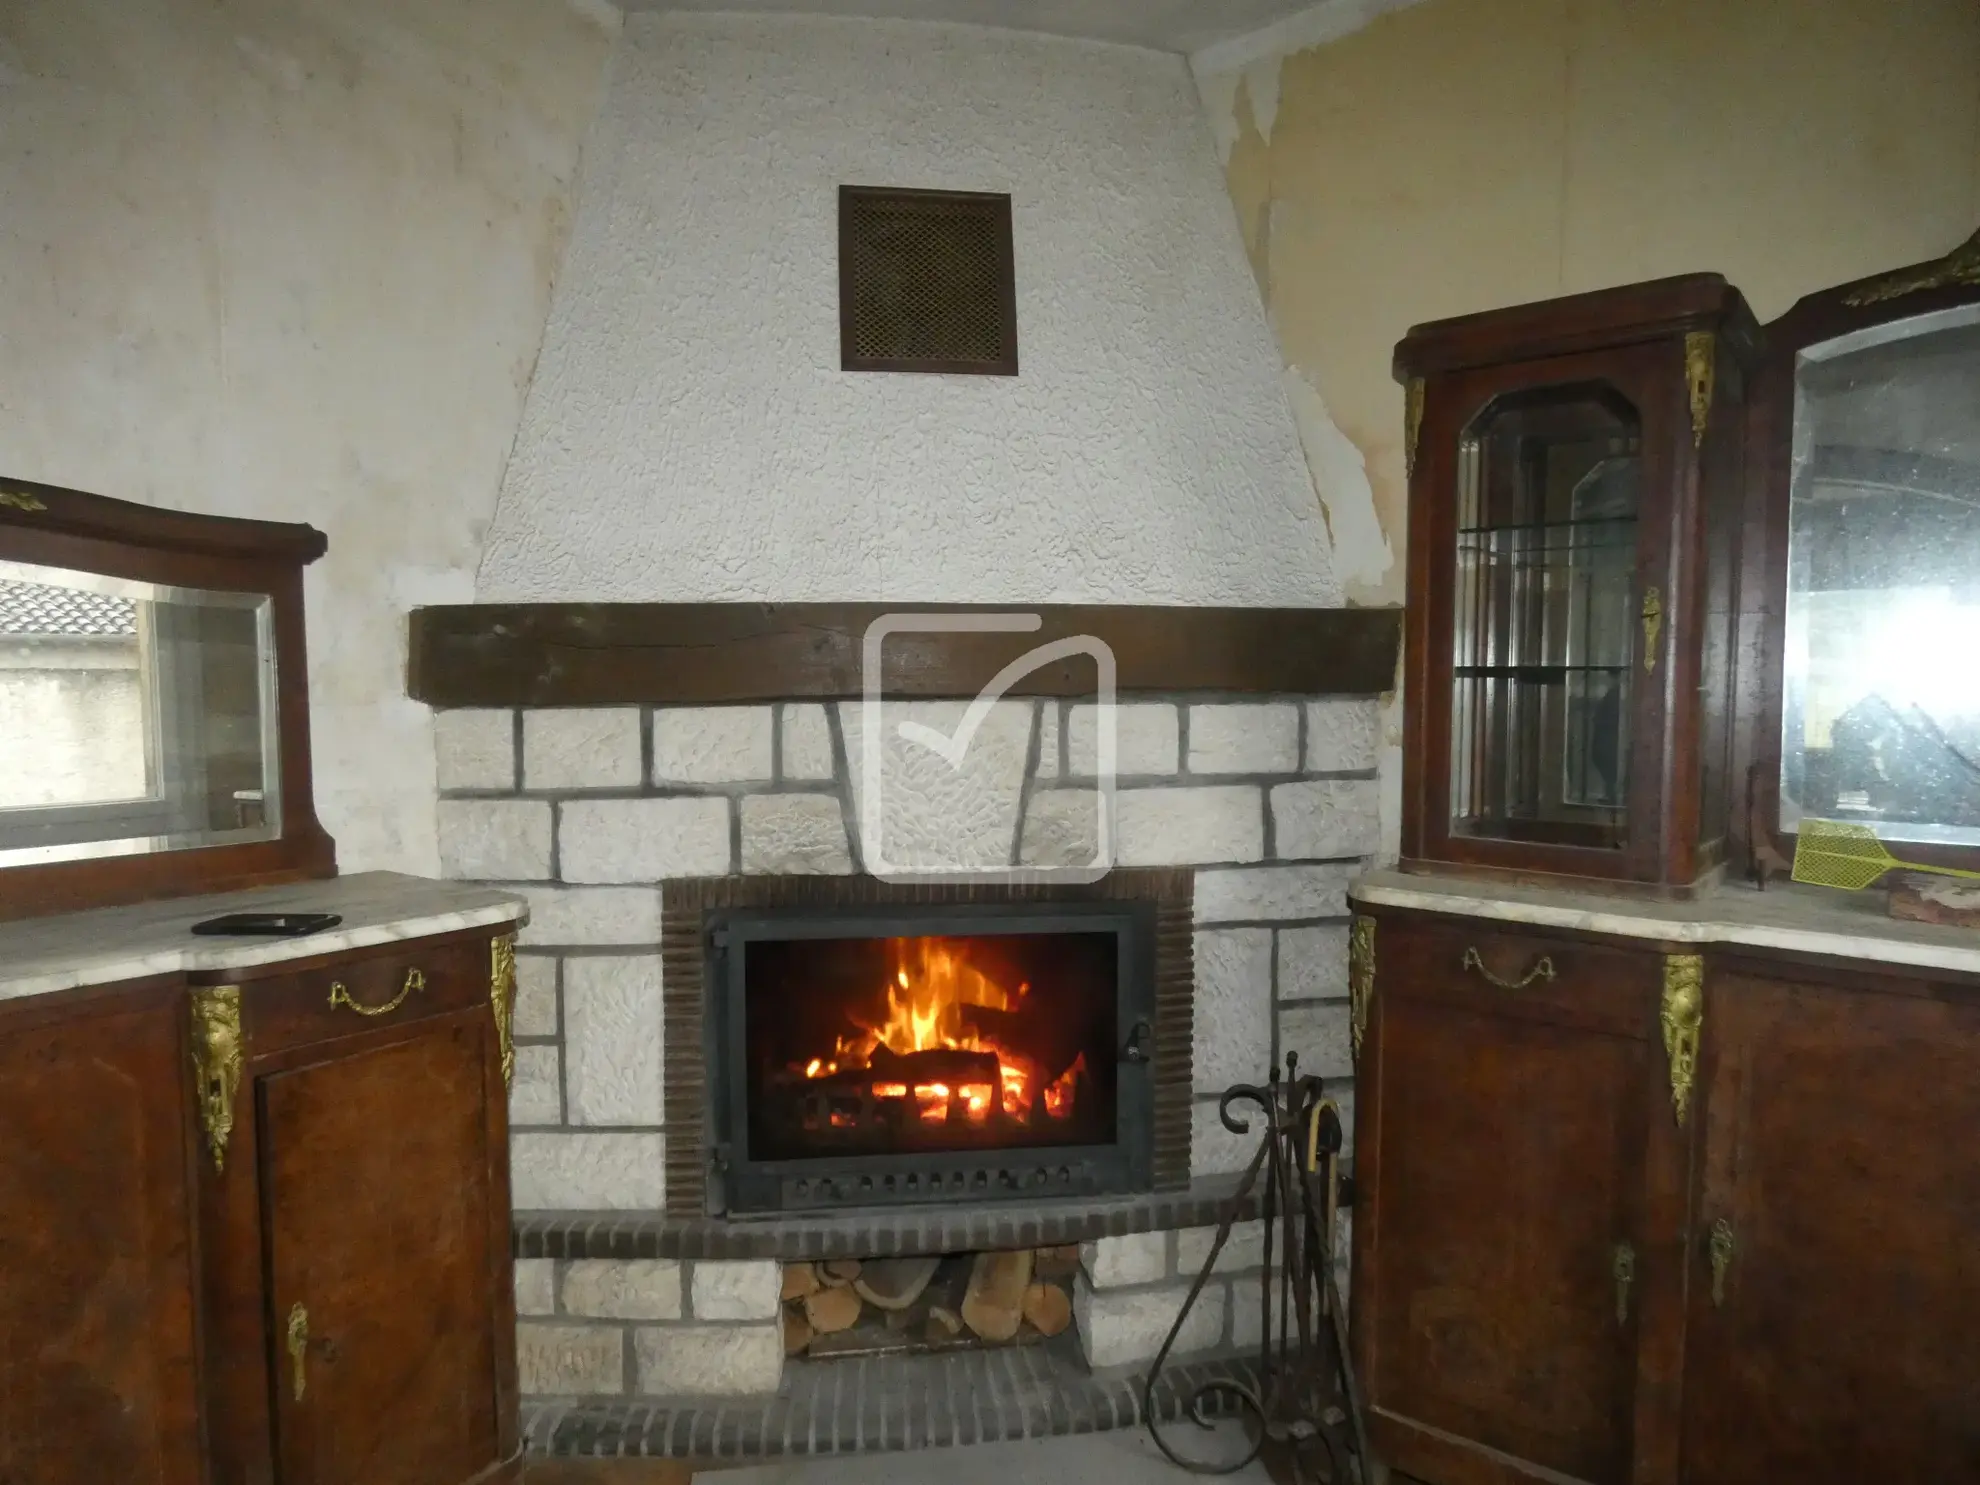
<point>1880,705</point>
<point>133,717</point>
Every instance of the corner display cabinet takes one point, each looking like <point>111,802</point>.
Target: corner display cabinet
<point>1574,486</point>
<point>1665,1175</point>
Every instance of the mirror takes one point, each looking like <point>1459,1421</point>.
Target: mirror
<point>134,717</point>
<point>1880,702</point>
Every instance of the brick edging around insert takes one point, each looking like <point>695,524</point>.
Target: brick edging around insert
<point>878,1233</point>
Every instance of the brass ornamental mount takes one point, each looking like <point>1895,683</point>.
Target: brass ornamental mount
<point>1960,266</point>
<point>298,1339</point>
<point>218,1052</point>
<point>502,1001</point>
<point>1653,624</point>
<point>341,996</point>
<point>1623,1267</point>
<point>1361,978</point>
<point>1412,424</point>
<point>1700,349</point>
<point>1543,969</point>
<point>1683,1018</point>
<point>1720,1246</point>
<point>22,501</point>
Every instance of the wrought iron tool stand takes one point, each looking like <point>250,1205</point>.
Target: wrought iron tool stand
<point>1305,1414</point>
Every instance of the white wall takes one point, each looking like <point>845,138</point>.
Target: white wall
<point>689,435</point>
<point>291,259</point>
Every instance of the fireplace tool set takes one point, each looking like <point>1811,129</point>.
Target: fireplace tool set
<point>1303,1416</point>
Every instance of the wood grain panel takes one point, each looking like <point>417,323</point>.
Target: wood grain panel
<point>1840,1153</point>
<point>376,1199</point>
<point>98,1380</point>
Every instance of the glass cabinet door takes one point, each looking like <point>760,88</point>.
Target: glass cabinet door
<point>1550,491</point>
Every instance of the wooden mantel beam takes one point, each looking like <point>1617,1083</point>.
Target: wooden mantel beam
<point>599,654</point>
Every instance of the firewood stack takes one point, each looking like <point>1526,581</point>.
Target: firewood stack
<point>850,1307</point>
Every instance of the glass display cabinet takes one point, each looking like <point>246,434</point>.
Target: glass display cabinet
<point>1574,490</point>
<point>1865,566</point>
<point>154,712</point>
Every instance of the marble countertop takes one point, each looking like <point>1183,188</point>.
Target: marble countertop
<point>1804,920</point>
<point>104,945</point>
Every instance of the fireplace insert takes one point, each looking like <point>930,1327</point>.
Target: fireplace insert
<point>927,1054</point>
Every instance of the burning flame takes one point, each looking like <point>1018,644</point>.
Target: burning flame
<point>931,982</point>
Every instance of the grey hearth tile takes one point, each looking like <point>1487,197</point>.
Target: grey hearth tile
<point>879,1405</point>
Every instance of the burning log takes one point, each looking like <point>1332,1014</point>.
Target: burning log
<point>1048,1043</point>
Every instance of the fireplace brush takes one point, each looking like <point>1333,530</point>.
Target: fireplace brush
<point>1304,1412</point>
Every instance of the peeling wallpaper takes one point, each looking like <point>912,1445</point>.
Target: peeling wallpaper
<point>291,259</point>
<point>1458,155</point>
<point>690,436</point>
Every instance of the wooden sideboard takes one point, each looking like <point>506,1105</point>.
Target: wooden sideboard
<point>257,1203</point>
<point>1662,1193</point>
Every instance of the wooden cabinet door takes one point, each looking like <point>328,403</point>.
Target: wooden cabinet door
<point>1842,1155</point>
<point>379,1200</point>
<point>1501,1167</point>
<point>97,1372</point>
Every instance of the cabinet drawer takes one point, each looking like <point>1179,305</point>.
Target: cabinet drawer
<point>1473,965</point>
<point>363,991</point>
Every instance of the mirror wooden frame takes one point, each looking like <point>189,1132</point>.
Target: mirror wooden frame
<point>1881,298</point>
<point>54,527</point>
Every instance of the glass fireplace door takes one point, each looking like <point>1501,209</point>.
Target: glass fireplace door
<point>1550,495</point>
<point>932,1055</point>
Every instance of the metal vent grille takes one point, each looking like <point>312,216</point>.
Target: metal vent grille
<point>926,281</point>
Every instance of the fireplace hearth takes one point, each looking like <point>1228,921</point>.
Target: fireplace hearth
<point>982,1051</point>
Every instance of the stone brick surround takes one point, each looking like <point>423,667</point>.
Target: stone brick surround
<point>586,812</point>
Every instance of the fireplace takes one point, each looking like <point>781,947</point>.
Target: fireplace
<point>843,1043</point>
<point>979,1051</point>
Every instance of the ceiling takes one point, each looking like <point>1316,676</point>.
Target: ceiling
<point>1171,25</point>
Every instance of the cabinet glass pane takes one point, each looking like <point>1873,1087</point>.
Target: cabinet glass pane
<point>133,717</point>
<point>1880,697</point>
<point>1549,493</point>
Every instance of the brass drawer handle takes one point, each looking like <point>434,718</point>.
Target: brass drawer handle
<point>341,996</point>
<point>1721,1248</point>
<point>1543,969</point>
<point>298,1347</point>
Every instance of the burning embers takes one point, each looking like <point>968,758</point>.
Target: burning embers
<point>940,1045</point>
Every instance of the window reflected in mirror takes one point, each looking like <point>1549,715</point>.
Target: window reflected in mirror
<point>133,717</point>
<point>1880,705</point>
<point>1549,495</point>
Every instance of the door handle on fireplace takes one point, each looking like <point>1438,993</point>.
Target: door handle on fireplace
<point>1138,1035</point>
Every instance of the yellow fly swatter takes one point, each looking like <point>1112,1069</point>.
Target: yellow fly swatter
<point>1830,853</point>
